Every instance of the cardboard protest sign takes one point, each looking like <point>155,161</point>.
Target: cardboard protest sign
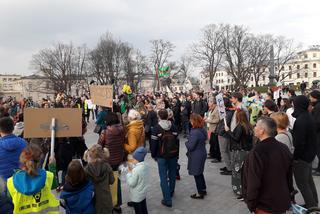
<point>37,122</point>
<point>102,95</point>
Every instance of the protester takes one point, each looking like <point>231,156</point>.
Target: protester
<point>19,126</point>
<point>30,188</point>
<point>11,147</point>
<point>77,194</point>
<point>305,148</point>
<point>315,102</point>
<point>135,132</point>
<point>100,172</point>
<point>113,139</point>
<point>269,107</point>
<point>261,191</point>
<point>197,154</point>
<point>199,106</point>
<point>240,145</point>
<point>224,140</point>
<point>100,120</point>
<point>212,119</point>
<point>165,150</point>
<point>137,179</point>
<point>283,136</point>
<point>151,121</point>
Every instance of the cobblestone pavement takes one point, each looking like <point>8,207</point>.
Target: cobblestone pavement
<point>220,198</point>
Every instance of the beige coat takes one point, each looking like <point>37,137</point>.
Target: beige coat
<point>212,119</point>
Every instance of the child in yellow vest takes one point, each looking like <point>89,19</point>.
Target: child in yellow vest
<point>30,188</point>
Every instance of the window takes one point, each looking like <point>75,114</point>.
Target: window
<point>298,75</point>
<point>314,65</point>
<point>306,66</point>
<point>314,74</point>
<point>4,79</point>
<point>180,88</point>
<point>217,81</point>
<point>314,54</point>
<point>290,75</point>
<point>306,75</point>
<point>228,80</point>
<point>251,78</point>
<point>264,78</point>
<point>298,66</point>
<point>306,56</point>
<point>290,68</point>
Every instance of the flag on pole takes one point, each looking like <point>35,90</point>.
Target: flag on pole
<point>164,71</point>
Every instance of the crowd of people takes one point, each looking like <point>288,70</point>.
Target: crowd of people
<point>263,143</point>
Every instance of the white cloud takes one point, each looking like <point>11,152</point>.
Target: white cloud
<point>27,26</point>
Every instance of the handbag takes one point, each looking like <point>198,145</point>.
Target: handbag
<point>97,129</point>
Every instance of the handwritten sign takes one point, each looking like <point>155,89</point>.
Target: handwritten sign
<point>221,107</point>
<point>102,95</point>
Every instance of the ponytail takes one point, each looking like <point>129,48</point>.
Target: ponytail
<point>30,159</point>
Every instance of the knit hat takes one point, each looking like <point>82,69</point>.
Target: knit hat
<point>315,94</point>
<point>140,153</point>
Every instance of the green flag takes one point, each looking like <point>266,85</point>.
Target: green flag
<point>164,71</point>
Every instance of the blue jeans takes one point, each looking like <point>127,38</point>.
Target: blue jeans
<point>167,172</point>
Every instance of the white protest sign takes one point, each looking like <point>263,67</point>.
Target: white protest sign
<point>221,107</point>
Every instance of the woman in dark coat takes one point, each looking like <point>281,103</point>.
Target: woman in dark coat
<point>197,154</point>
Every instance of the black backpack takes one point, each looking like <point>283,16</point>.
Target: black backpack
<point>169,145</point>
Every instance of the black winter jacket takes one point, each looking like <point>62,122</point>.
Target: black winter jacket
<point>239,139</point>
<point>304,131</point>
<point>220,127</point>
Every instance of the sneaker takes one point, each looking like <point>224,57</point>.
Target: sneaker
<point>316,173</point>
<point>227,172</point>
<point>116,210</point>
<point>166,204</point>
<point>224,169</point>
<point>130,204</point>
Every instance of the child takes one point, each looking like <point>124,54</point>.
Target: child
<point>101,174</point>
<point>137,180</point>
<point>77,191</point>
<point>30,188</point>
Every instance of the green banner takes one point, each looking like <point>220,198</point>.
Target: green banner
<point>164,71</point>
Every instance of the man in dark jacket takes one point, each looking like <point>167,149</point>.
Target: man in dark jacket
<point>167,166</point>
<point>267,185</point>
<point>199,106</point>
<point>305,147</point>
<point>315,102</point>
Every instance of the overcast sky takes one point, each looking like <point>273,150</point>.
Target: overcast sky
<point>26,26</point>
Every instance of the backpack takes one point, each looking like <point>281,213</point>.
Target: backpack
<point>169,145</point>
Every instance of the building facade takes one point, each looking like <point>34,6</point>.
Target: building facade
<point>304,68</point>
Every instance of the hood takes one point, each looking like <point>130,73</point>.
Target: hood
<point>116,129</point>
<point>165,124</point>
<point>29,185</point>
<point>301,104</point>
<point>77,196</point>
<point>98,171</point>
<point>135,124</point>
<point>12,142</point>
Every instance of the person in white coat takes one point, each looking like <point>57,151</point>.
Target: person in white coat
<point>137,179</point>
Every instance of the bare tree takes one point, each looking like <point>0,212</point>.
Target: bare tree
<point>160,52</point>
<point>105,59</point>
<point>259,54</point>
<point>63,65</point>
<point>236,45</point>
<point>285,52</point>
<point>208,51</point>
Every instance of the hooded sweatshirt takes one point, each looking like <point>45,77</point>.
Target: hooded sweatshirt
<point>156,135</point>
<point>113,139</point>
<point>79,199</point>
<point>304,131</point>
<point>135,136</point>
<point>101,175</point>
<point>11,147</point>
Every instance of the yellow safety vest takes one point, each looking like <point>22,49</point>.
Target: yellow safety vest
<point>43,202</point>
